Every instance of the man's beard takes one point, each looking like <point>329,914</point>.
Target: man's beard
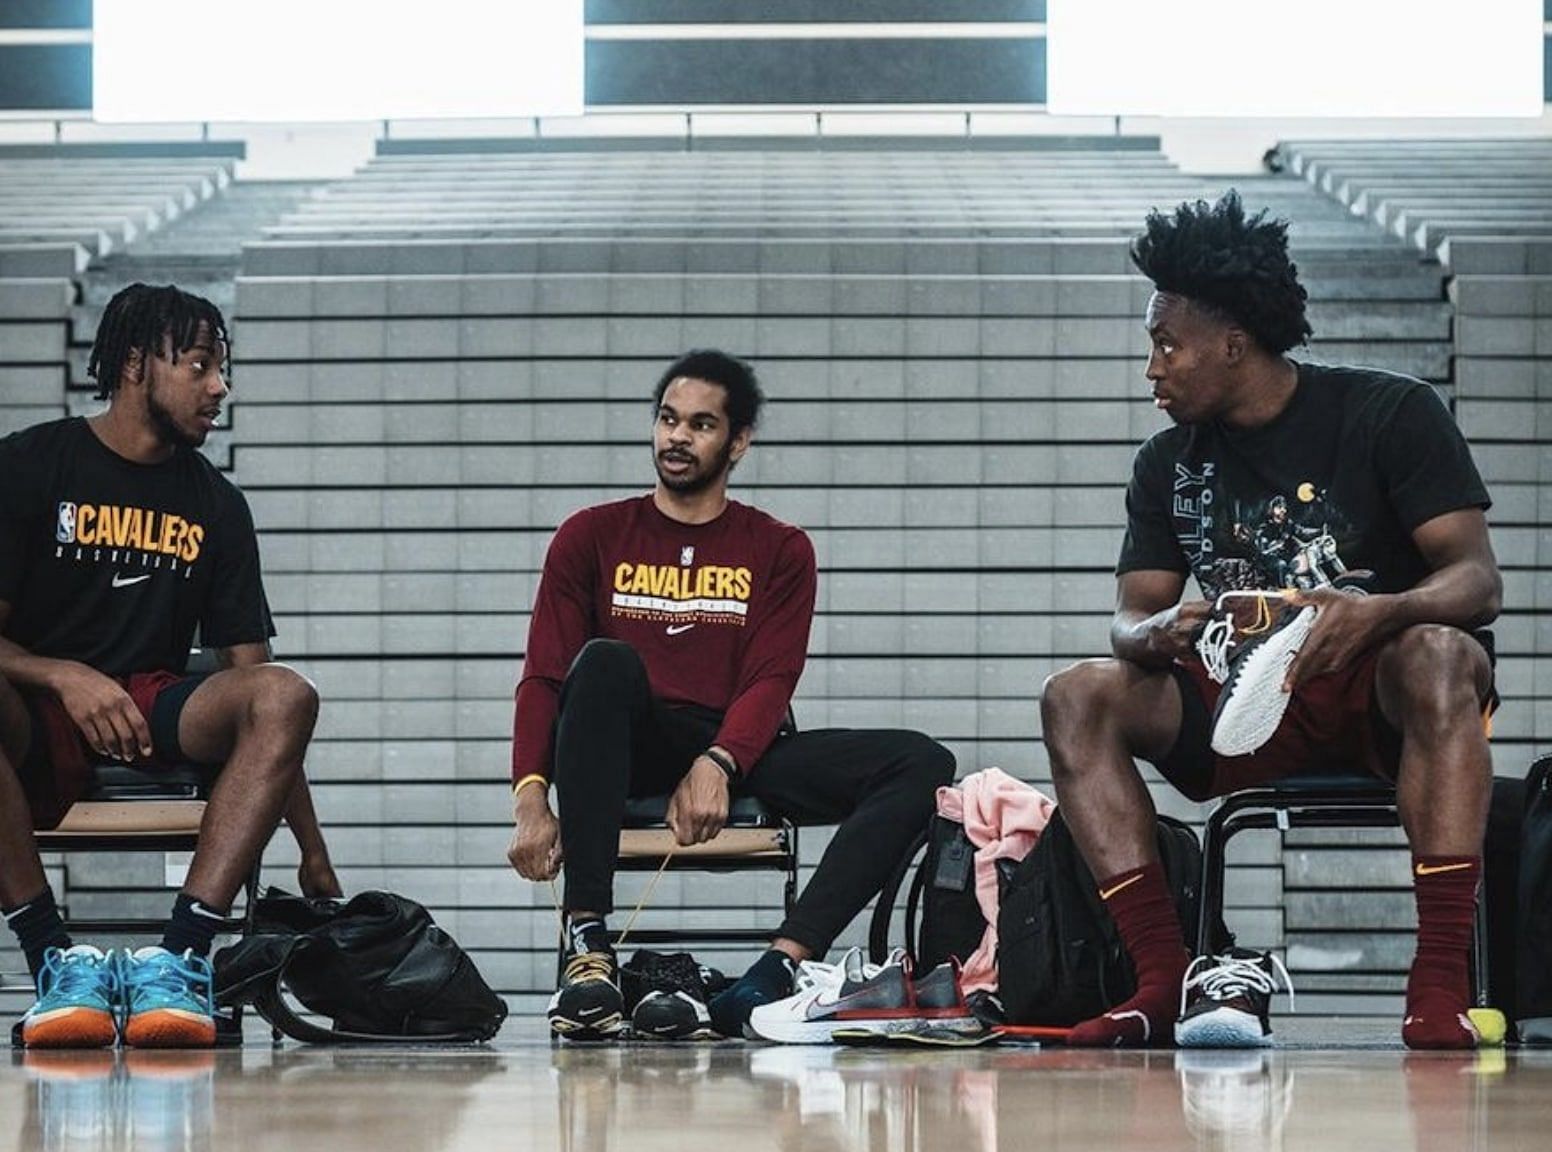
<point>167,427</point>
<point>696,481</point>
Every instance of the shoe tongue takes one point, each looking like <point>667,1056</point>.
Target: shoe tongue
<point>85,951</point>
<point>149,951</point>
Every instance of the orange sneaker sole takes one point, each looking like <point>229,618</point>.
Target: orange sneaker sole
<point>170,1028</point>
<point>70,1028</point>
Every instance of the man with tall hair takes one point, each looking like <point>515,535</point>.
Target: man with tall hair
<point>1367,642</point>
<point>667,637</point>
<point>118,541</point>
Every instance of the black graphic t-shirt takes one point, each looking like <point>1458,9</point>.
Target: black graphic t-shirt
<point>1335,484</point>
<point>115,564</point>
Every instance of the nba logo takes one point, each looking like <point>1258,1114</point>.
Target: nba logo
<point>687,556</point>
<point>64,526</point>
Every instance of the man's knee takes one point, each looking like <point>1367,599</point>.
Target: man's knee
<point>1438,670</point>
<point>1075,695</point>
<point>929,764</point>
<point>605,661</point>
<point>281,699</point>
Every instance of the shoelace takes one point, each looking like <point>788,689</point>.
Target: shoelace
<point>170,975</point>
<point>589,966</point>
<point>77,976</point>
<point>1217,638</point>
<point>1224,977</point>
<point>816,974</point>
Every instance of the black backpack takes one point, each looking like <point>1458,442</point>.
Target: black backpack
<point>943,894</point>
<point>1534,944</point>
<point>377,965</point>
<point>1059,957</point>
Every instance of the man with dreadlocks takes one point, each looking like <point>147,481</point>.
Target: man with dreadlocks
<point>117,541</point>
<point>1392,681</point>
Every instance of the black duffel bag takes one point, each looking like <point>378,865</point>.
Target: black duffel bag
<point>376,965</point>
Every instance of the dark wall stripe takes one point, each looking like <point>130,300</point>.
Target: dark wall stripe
<point>810,11</point>
<point>46,77</point>
<point>690,72</point>
<point>45,13</point>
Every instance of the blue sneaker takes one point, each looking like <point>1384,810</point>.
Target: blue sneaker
<point>77,1000</point>
<point>167,999</point>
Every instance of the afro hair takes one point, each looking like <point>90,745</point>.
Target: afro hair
<point>1238,266</point>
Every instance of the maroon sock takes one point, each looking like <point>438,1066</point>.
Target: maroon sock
<point>1144,913</point>
<point>1439,987</point>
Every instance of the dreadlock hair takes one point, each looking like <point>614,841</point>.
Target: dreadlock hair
<point>141,317</point>
<point>736,377</point>
<point>1236,266</point>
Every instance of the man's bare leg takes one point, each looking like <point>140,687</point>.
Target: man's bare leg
<point>257,719</point>
<point>1096,717</point>
<point>1431,684</point>
<point>80,1013</point>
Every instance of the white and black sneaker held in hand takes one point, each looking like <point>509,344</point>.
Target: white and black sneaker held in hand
<point>588,1004</point>
<point>1226,1001</point>
<point>668,994</point>
<point>1251,664</point>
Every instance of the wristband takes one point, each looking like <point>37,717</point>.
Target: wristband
<point>531,778</point>
<point>729,769</point>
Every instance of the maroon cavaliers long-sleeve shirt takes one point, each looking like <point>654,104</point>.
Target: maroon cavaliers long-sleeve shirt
<point>718,612</point>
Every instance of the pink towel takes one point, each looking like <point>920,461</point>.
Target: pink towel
<point>1003,818</point>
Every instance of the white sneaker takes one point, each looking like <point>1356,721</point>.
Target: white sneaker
<point>1252,665</point>
<point>832,996</point>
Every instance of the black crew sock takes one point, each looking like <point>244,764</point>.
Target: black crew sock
<point>38,927</point>
<point>587,934</point>
<point>769,979</point>
<point>192,927</point>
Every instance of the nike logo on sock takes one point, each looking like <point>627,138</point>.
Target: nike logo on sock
<point>208,913</point>
<point>1106,893</point>
<point>1435,869</point>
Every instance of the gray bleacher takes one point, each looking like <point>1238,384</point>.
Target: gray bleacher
<point>100,202</point>
<point>59,210</point>
<point>443,356</point>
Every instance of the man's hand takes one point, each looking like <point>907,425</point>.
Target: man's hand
<point>103,711</point>
<point>1172,633</point>
<point>1345,626</point>
<point>699,806</point>
<point>535,850</point>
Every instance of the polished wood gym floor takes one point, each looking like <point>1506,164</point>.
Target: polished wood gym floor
<point>521,1093</point>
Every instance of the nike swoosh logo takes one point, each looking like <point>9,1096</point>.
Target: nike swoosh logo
<point>1434,869</point>
<point>126,581</point>
<point>675,629</point>
<point>1106,893</point>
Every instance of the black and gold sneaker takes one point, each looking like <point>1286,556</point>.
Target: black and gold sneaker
<point>588,1005</point>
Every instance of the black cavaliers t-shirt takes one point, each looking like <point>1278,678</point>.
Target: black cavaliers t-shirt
<point>115,564</point>
<point>1335,484</point>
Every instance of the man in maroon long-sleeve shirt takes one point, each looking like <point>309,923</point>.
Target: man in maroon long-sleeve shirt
<point>666,641</point>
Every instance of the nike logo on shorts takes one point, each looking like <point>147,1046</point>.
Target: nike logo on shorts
<point>126,581</point>
<point>675,629</point>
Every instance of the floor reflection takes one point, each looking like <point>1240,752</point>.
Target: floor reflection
<point>156,1101</point>
<point>740,1098</point>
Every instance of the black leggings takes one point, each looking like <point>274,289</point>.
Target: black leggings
<point>613,741</point>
